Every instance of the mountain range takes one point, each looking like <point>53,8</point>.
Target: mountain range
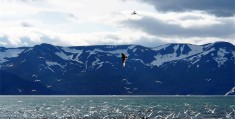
<point>170,69</point>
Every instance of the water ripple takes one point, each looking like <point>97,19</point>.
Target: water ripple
<point>116,107</point>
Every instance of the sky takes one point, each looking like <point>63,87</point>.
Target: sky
<point>111,22</point>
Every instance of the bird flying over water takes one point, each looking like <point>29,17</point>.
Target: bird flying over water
<point>124,57</point>
<point>133,13</point>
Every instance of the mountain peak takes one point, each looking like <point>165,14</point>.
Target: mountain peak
<point>217,45</point>
<point>223,44</point>
<point>46,47</point>
<point>97,69</point>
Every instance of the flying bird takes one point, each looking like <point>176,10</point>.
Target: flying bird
<point>133,13</point>
<point>124,57</point>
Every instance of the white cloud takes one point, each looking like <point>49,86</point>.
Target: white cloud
<point>89,22</point>
<point>183,25</point>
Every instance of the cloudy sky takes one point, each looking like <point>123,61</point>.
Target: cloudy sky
<point>99,22</point>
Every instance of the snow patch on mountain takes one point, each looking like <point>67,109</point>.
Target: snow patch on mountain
<point>158,81</point>
<point>131,47</point>
<point>230,92</point>
<point>92,52</point>
<point>97,62</point>
<point>160,47</point>
<point>9,53</point>
<point>72,50</point>
<point>198,66</point>
<point>50,69</point>
<point>27,50</point>
<point>220,59</point>
<point>118,52</point>
<point>54,64</point>
<point>196,58</point>
<point>233,53</point>
<point>160,59</point>
<point>175,47</point>
<point>64,56</point>
<point>208,46</point>
<point>134,50</point>
<point>208,79</point>
<point>195,49</point>
<point>139,60</point>
<point>10,65</point>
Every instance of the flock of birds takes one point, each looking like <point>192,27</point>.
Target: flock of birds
<point>106,109</point>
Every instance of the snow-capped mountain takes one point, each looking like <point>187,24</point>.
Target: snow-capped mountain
<point>167,69</point>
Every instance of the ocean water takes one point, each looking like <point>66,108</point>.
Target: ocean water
<point>117,107</point>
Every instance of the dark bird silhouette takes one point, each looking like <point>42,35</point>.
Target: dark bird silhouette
<point>133,13</point>
<point>124,57</point>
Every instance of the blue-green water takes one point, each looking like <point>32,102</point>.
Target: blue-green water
<point>120,107</point>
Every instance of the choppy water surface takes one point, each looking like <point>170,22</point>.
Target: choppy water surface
<point>133,107</point>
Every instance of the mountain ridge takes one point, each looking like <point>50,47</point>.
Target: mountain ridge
<point>164,70</point>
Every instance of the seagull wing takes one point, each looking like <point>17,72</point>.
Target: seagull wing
<point>124,57</point>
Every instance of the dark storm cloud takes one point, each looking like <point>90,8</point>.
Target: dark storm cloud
<point>157,27</point>
<point>217,7</point>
